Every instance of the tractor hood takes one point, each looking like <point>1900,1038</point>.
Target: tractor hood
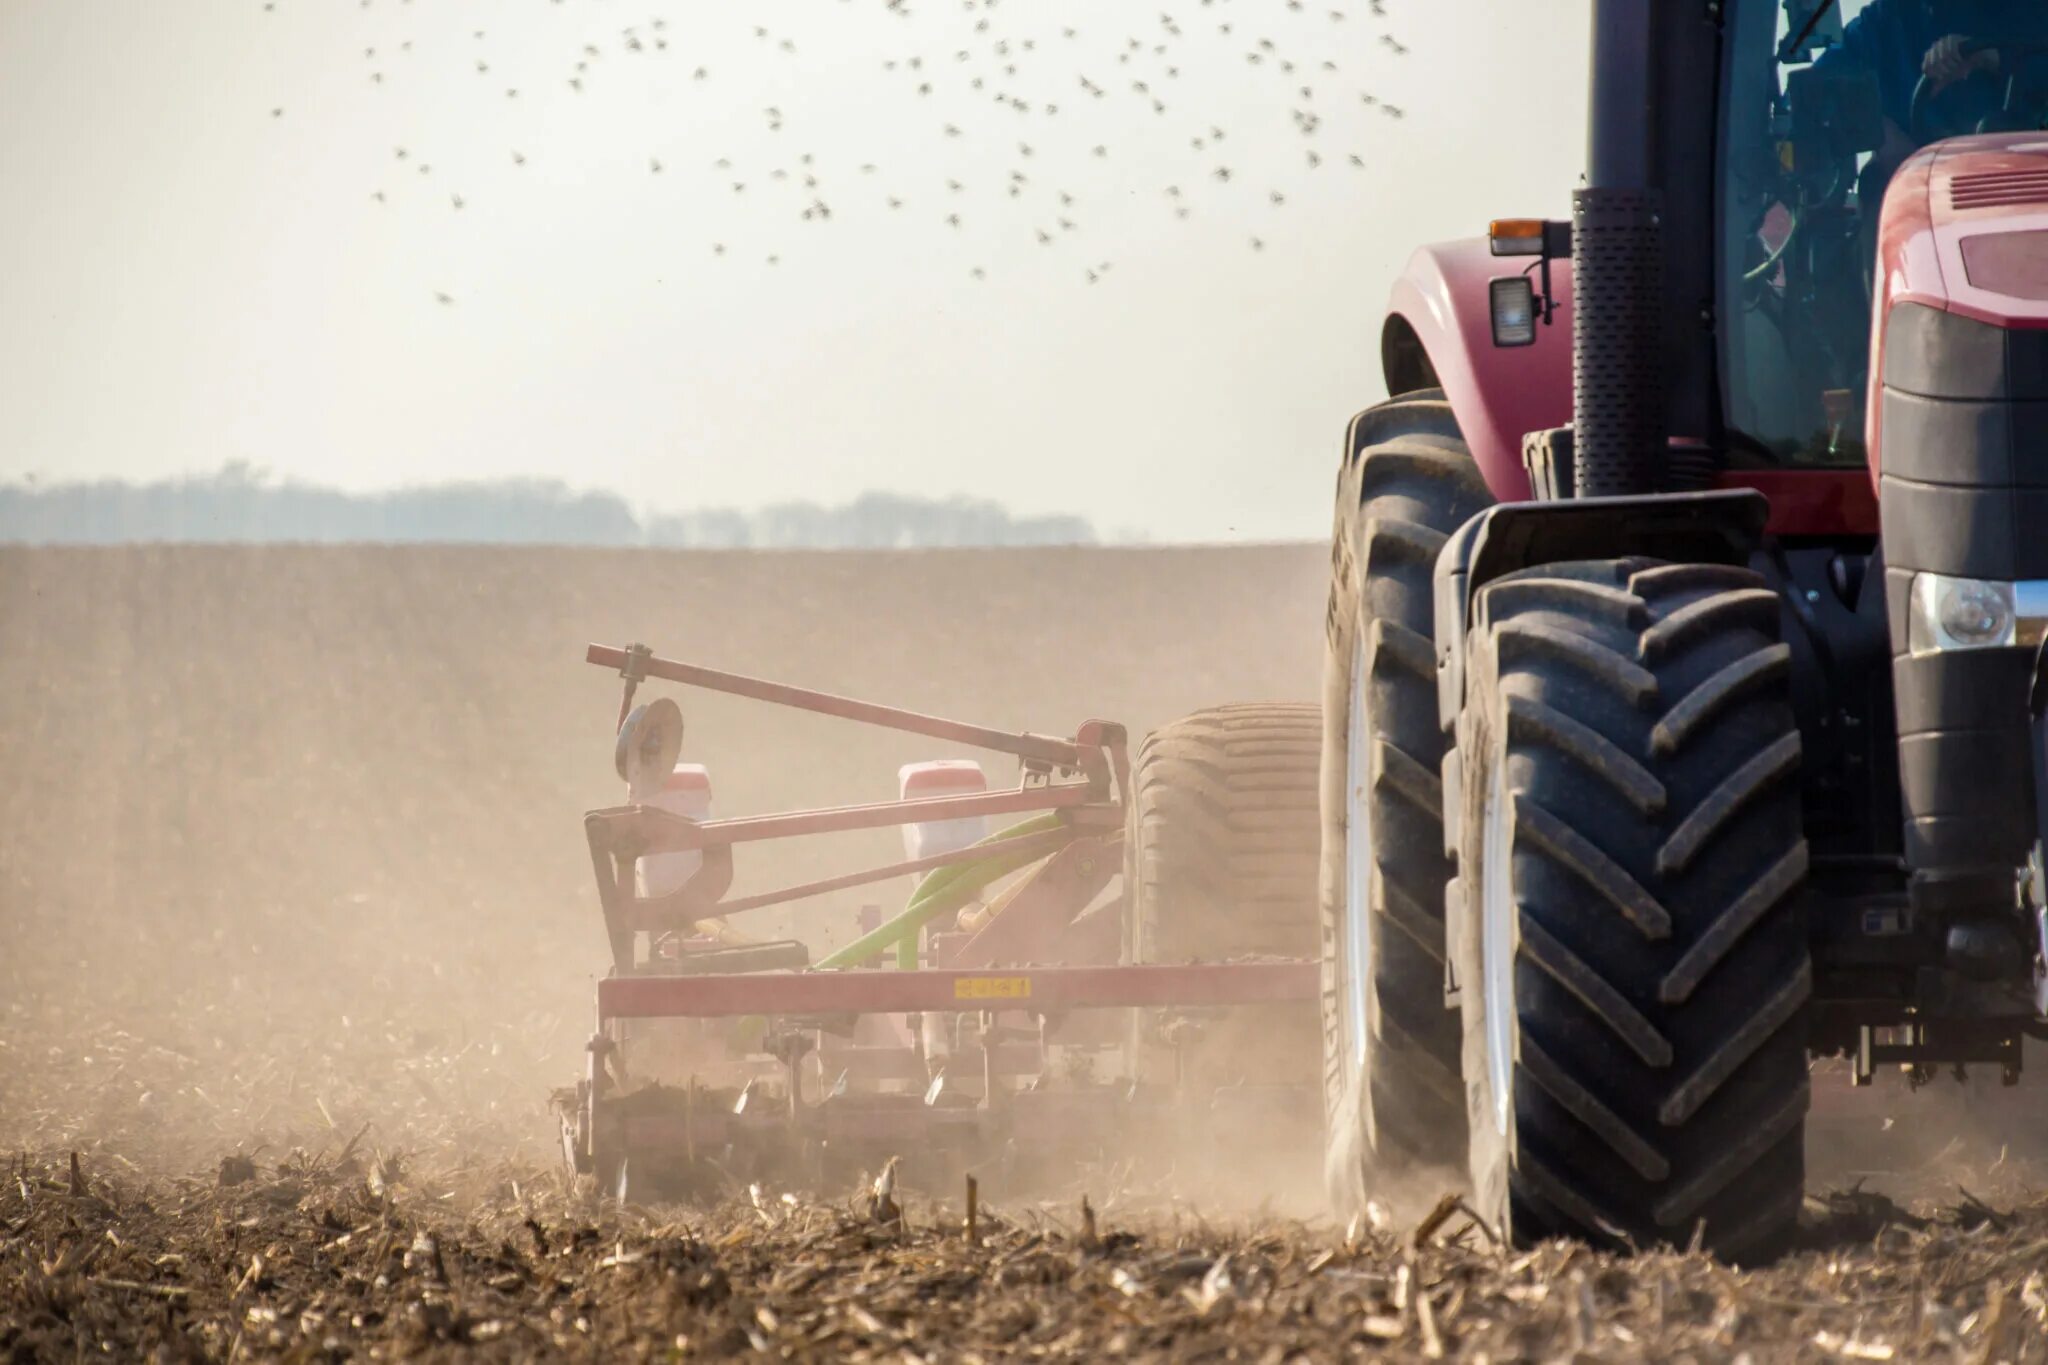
<point>1965,229</point>
<point>1963,240</point>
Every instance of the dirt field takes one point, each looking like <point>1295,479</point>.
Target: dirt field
<point>290,874</point>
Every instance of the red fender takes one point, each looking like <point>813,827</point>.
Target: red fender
<point>1439,333</point>
<point>1498,392</point>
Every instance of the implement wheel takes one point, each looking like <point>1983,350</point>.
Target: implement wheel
<point>1220,863</point>
<point>1632,940</point>
<point>1391,1090</point>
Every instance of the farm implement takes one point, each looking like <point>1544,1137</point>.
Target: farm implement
<point>1013,1019</point>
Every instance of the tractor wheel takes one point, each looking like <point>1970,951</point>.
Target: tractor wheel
<point>1631,940</point>
<point>1220,863</point>
<point>1390,1045</point>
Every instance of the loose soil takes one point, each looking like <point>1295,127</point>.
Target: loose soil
<point>296,935</point>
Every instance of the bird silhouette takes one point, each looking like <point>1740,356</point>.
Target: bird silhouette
<point>960,63</point>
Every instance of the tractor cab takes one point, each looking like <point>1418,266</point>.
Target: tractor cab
<point>1818,119</point>
<point>1685,683</point>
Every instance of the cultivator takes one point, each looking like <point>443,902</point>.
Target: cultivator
<point>994,1025</point>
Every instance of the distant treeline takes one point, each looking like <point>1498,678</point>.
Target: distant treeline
<point>241,504</point>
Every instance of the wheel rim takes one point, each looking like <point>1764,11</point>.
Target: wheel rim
<point>1497,945</point>
<point>1357,865</point>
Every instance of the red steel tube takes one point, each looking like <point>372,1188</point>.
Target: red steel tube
<point>1037,989</point>
<point>1058,753</point>
<point>676,832</point>
<point>1048,841</point>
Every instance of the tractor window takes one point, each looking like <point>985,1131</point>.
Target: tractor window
<point>1805,150</point>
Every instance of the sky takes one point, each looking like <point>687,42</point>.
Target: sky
<point>196,265</point>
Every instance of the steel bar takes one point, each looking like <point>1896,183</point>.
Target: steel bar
<point>1040,989</point>
<point>652,912</point>
<point>659,831</point>
<point>1058,753</point>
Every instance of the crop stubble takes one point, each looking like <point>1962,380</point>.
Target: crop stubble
<point>291,877</point>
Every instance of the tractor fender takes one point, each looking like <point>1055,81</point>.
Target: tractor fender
<point>1438,333</point>
<point>1716,526</point>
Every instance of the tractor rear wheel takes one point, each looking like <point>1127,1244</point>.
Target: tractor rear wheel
<point>1391,1090</point>
<point>1631,939</point>
<point>1220,863</point>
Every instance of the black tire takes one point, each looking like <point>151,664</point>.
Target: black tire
<point>1220,863</point>
<point>1392,1095</point>
<point>1629,772</point>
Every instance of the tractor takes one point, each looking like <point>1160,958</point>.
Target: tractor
<point>1685,682</point>
<point>1682,722</point>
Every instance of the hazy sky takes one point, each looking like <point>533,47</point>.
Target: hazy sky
<point>187,278</point>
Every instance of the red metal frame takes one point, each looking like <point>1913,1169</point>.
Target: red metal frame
<point>1038,919</point>
<point>618,836</point>
<point>1038,990</point>
<point>1058,753</point>
<point>1049,842</point>
<point>638,830</point>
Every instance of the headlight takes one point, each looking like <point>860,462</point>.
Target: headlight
<point>1513,301</point>
<point>1960,613</point>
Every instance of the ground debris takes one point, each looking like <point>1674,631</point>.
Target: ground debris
<point>283,1192</point>
<point>301,1259</point>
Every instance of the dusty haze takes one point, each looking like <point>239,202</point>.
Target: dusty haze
<point>264,798</point>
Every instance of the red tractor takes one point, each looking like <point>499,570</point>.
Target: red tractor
<point>1685,685</point>
<point>1683,719</point>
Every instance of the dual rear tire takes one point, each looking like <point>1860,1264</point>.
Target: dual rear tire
<point>1391,1089</point>
<point>1629,935</point>
<point>1565,941</point>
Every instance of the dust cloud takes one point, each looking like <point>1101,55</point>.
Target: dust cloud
<point>296,936</point>
<point>293,836</point>
<point>293,847</point>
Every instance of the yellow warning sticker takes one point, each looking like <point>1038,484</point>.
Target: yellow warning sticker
<point>992,988</point>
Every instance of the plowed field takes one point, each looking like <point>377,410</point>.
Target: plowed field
<point>296,933</point>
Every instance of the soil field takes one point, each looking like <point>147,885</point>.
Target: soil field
<point>296,933</point>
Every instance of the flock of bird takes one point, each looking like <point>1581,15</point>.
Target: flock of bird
<point>1065,92</point>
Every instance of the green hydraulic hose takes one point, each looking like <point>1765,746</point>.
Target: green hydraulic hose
<point>943,889</point>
